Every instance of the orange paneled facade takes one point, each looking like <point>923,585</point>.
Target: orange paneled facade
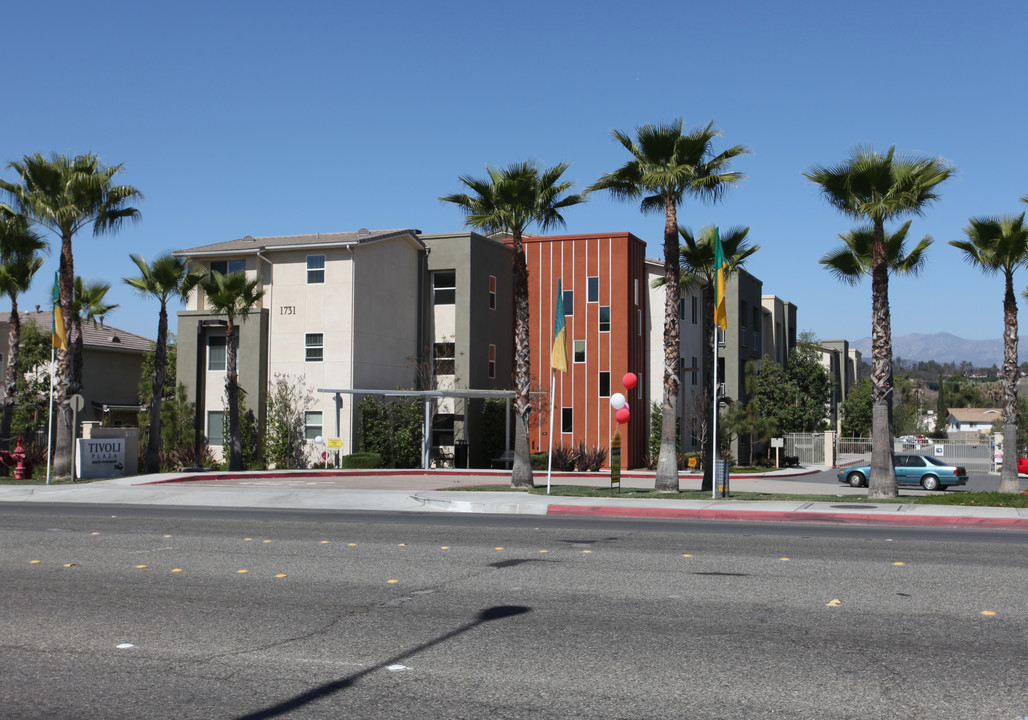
<point>603,280</point>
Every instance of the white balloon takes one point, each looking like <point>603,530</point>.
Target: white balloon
<point>617,401</point>
<point>319,439</point>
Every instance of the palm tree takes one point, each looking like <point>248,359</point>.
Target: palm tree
<point>510,200</point>
<point>666,166</point>
<point>166,278</point>
<point>233,296</point>
<point>88,304</point>
<point>879,188</point>
<point>19,262</point>
<point>65,195</point>
<point>699,270</point>
<point>1000,244</point>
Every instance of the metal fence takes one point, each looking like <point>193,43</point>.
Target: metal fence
<point>972,456</point>
<point>852,451</point>
<point>808,447</point>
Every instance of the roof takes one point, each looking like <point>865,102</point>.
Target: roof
<point>250,244</point>
<point>101,337</point>
<point>975,415</point>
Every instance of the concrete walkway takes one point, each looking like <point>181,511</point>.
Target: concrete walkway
<point>439,491</point>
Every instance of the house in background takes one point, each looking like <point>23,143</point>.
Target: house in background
<point>971,423</point>
<point>112,368</point>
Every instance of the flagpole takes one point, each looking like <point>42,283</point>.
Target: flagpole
<point>549,460</point>
<point>50,416</point>
<point>713,485</point>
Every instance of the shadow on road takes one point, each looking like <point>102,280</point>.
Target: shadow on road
<point>498,612</point>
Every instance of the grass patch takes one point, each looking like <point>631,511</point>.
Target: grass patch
<point>972,499</point>
<point>41,480</point>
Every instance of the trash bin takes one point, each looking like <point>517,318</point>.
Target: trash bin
<point>460,454</point>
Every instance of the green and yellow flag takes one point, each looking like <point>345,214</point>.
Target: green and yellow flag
<point>720,313</point>
<point>559,355</point>
<point>58,336</point>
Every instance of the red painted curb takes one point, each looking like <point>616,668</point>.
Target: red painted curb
<point>813,517</point>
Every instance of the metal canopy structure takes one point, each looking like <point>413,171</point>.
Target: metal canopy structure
<point>427,396</point>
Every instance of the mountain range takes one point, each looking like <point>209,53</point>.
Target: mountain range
<point>943,348</point>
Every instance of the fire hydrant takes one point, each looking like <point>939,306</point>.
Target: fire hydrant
<point>22,465</point>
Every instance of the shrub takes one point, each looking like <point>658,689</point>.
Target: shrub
<point>186,454</point>
<point>563,457</point>
<point>362,460</point>
<point>539,460</point>
<point>590,459</point>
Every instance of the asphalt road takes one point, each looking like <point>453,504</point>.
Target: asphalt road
<point>132,612</point>
<point>976,482</point>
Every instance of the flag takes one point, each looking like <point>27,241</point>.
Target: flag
<point>720,266</point>
<point>58,336</point>
<point>559,355</point>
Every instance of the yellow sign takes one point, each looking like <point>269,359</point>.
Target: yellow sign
<point>334,443</point>
<point>692,462</point>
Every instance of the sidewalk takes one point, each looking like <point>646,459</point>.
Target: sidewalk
<point>429,491</point>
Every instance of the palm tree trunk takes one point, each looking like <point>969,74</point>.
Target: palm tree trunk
<point>1008,481</point>
<point>160,359</point>
<point>521,470</point>
<point>235,452</point>
<point>64,432</point>
<point>11,374</point>
<point>667,462</point>
<point>882,483</point>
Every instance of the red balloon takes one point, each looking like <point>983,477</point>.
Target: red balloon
<point>629,380</point>
<point>623,416</point>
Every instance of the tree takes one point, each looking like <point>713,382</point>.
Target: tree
<point>667,165</point>
<point>697,261</point>
<point>285,440</point>
<point>33,370</point>
<point>89,304</point>
<point>167,278</point>
<point>774,396</point>
<point>65,195</point>
<point>744,418</point>
<point>856,410</point>
<point>233,296</point>
<point>880,188</point>
<point>510,200</point>
<point>19,261</point>
<point>1000,244</point>
<point>812,384</point>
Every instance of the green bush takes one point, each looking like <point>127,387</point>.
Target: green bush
<point>361,460</point>
<point>538,461</point>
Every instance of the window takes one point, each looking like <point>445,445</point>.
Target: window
<point>604,384</point>
<point>443,355</point>
<point>695,311</point>
<point>315,269</point>
<point>604,318</point>
<point>637,291</point>
<point>442,429</point>
<point>569,302</point>
<point>312,424</point>
<point>216,345</point>
<point>567,420</point>
<point>492,361</point>
<point>579,351</point>
<point>492,292</point>
<point>315,346</point>
<point>227,267</point>
<point>695,372</point>
<point>681,308</point>
<point>681,371</point>
<point>593,289</point>
<point>444,287</point>
<point>639,385</point>
<point>639,322</point>
<point>215,428</point>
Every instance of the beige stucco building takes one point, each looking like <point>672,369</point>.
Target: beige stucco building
<point>340,310</point>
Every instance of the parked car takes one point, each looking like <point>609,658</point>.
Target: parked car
<point>1022,466</point>
<point>928,471</point>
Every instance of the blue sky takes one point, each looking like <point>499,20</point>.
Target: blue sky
<point>263,118</point>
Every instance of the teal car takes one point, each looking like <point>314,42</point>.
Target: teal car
<point>928,471</point>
